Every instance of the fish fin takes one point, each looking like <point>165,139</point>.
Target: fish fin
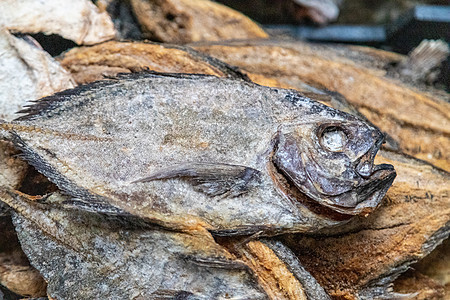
<point>212,179</point>
<point>97,205</point>
<point>42,106</point>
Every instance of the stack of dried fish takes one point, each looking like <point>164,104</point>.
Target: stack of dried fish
<point>179,186</point>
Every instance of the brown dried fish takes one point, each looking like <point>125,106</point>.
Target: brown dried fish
<point>418,119</point>
<point>88,64</point>
<point>277,269</point>
<point>93,256</point>
<point>429,278</point>
<point>190,150</point>
<point>76,20</point>
<point>184,21</point>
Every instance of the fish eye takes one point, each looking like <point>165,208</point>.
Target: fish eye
<point>333,138</point>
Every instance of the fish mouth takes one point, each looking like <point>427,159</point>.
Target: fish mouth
<point>368,194</point>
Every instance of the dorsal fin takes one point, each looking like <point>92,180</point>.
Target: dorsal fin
<point>47,104</point>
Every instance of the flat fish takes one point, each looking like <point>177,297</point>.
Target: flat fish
<point>95,256</point>
<point>185,151</point>
<point>198,21</point>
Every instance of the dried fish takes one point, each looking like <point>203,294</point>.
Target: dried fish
<point>28,72</point>
<point>76,20</point>
<point>362,258</point>
<point>184,21</point>
<point>429,278</point>
<point>192,150</point>
<point>417,118</point>
<point>109,258</point>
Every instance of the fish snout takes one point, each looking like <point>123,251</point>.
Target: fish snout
<point>365,164</point>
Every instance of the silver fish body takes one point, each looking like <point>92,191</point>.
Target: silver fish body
<point>193,150</point>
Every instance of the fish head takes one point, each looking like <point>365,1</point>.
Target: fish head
<point>327,164</point>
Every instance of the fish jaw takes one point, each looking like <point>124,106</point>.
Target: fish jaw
<point>367,196</point>
<point>305,180</point>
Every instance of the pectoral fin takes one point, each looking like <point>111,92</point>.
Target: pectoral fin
<point>211,179</point>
